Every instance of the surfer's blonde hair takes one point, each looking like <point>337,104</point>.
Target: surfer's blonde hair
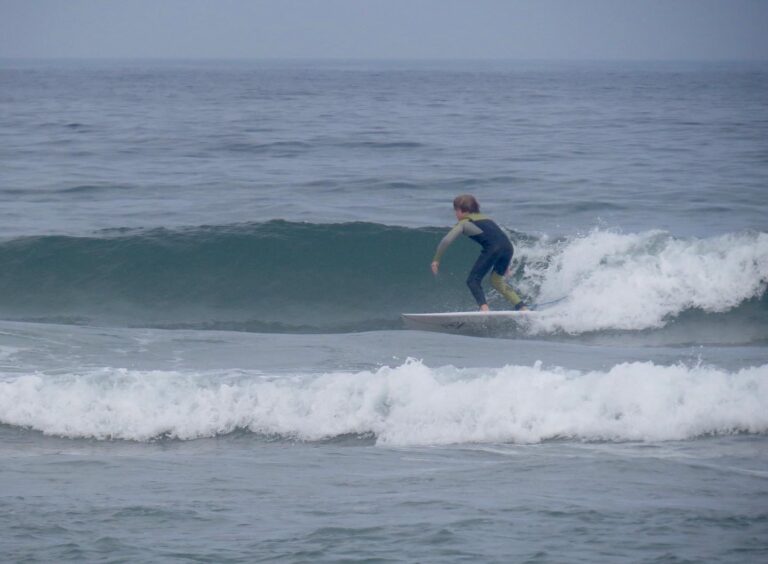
<point>466,203</point>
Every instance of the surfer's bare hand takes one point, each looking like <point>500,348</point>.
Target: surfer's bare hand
<point>435,267</point>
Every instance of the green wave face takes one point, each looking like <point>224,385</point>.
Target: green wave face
<point>275,275</point>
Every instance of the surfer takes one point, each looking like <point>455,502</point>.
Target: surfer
<point>496,254</point>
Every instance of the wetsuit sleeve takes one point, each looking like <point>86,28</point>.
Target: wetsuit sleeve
<point>449,238</point>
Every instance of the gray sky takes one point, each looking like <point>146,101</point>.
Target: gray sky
<point>389,29</point>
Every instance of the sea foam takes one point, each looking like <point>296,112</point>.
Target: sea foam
<point>618,281</point>
<point>410,404</point>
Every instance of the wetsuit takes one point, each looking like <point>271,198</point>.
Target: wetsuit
<point>496,254</point>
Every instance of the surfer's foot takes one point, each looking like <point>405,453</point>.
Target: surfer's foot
<point>485,307</point>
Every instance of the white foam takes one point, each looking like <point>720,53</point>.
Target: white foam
<point>411,404</point>
<point>641,281</point>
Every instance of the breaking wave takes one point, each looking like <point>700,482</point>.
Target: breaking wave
<point>410,404</point>
<point>280,276</point>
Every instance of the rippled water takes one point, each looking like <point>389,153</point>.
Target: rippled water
<point>204,267</point>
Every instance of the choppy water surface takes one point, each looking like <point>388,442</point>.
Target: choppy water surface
<point>203,269</point>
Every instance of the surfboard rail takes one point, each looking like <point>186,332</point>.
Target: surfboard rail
<point>469,322</point>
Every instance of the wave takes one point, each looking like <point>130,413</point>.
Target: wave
<point>293,148</point>
<point>91,189</point>
<point>635,282</point>
<point>275,147</point>
<point>277,276</point>
<point>304,277</point>
<point>410,404</point>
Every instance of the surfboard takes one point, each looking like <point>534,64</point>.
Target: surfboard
<point>471,322</point>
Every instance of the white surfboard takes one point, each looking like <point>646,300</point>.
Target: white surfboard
<point>469,322</point>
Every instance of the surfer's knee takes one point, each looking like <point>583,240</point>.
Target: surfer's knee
<point>474,282</point>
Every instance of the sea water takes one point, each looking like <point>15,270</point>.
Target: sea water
<point>203,266</point>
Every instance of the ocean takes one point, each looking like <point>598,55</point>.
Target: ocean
<point>203,266</point>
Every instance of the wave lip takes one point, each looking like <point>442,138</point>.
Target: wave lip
<point>410,404</point>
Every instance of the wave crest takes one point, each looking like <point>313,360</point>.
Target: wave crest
<point>642,281</point>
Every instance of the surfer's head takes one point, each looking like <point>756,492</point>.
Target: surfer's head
<point>466,203</point>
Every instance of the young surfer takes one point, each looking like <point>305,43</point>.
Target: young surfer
<point>496,254</point>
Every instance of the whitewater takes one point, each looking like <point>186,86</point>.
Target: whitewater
<point>409,404</point>
<point>202,272</point>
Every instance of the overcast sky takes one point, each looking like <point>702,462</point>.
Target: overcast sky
<point>386,29</point>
